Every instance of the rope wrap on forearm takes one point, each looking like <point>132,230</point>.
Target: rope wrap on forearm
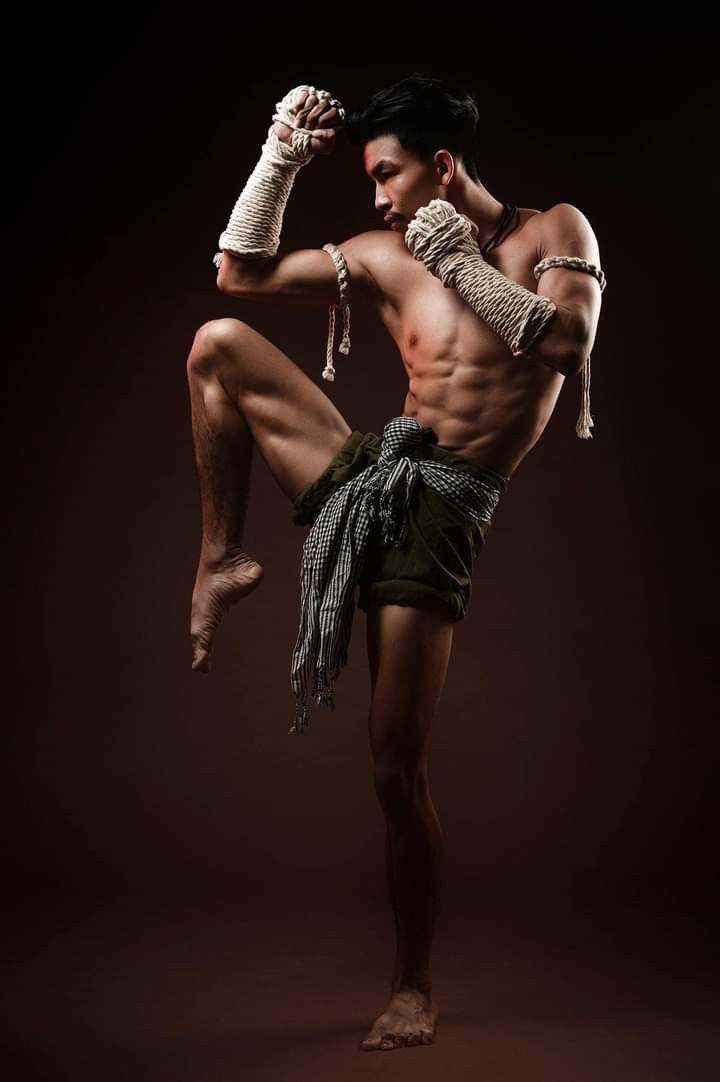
<point>253,229</point>
<point>445,242</point>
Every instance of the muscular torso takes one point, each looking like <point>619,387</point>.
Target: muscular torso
<point>463,380</point>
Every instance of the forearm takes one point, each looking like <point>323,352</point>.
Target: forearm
<point>560,345</point>
<point>531,324</point>
<point>255,223</point>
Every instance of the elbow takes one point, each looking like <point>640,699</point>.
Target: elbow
<point>576,363</point>
<point>223,281</point>
<point>577,351</point>
<point>566,349</point>
<point>561,356</point>
<point>570,361</point>
<point>578,346</point>
<point>247,278</point>
<point>230,283</point>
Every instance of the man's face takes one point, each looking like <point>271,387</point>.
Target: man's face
<point>403,183</point>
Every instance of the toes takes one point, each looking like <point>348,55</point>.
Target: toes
<point>201,660</point>
<point>387,1041</point>
<point>370,1044</point>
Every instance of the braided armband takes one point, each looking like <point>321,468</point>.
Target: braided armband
<point>343,276</point>
<point>572,262</point>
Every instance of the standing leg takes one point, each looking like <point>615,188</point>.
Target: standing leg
<point>409,651</point>
<point>244,391</point>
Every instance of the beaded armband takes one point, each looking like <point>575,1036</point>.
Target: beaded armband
<point>343,276</point>
<point>572,262</point>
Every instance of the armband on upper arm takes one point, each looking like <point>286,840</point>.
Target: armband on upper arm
<point>343,276</point>
<point>572,262</point>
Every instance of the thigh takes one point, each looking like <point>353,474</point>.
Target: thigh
<point>408,652</point>
<point>295,425</point>
<point>433,567</point>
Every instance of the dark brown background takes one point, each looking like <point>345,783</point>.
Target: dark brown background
<point>194,894</point>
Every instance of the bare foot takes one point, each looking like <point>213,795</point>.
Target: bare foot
<point>409,1018</point>
<point>218,585</point>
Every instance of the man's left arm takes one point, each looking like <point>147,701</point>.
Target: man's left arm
<point>536,325</point>
<point>568,339</point>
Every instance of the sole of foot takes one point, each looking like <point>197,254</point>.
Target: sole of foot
<point>219,584</point>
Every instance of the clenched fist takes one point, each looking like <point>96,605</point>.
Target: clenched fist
<point>313,110</point>
<point>438,228</point>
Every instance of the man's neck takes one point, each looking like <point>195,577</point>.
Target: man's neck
<point>472,199</point>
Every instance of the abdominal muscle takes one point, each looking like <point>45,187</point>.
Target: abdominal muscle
<point>483,403</point>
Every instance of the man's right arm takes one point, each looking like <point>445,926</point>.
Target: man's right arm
<point>307,275</point>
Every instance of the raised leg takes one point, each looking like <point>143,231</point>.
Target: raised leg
<point>245,392</point>
<point>409,651</point>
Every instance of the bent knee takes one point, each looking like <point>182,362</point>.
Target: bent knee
<point>213,340</point>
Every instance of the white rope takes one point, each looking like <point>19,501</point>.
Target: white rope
<point>343,276</point>
<point>253,229</point>
<point>445,241</point>
<point>584,422</point>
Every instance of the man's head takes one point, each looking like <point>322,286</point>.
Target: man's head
<point>419,140</point>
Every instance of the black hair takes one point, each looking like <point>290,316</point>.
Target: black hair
<point>426,114</point>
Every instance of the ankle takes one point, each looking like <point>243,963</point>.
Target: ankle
<point>215,556</point>
<point>421,986</point>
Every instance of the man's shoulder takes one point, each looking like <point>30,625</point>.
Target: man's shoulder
<point>564,229</point>
<point>376,250</point>
<point>560,216</point>
<point>374,243</point>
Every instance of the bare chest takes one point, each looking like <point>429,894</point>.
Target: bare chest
<point>426,320</point>
<point>462,378</point>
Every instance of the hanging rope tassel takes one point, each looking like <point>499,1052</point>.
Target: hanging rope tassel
<point>343,275</point>
<point>585,421</point>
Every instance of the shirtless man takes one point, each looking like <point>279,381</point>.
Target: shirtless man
<point>483,402</point>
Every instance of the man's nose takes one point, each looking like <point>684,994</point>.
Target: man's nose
<point>381,201</point>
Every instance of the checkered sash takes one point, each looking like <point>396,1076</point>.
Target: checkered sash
<point>335,549</point>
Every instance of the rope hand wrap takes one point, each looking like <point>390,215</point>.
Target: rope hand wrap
<point>445,241</point>
<point>253,229</point>
<point>343,275</point>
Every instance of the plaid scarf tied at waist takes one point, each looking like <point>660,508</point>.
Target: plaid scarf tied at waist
<point>335,549</point>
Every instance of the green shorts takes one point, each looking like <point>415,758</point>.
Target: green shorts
<point>433,567</point>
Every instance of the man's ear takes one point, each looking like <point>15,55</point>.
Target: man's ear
<point>445,166</point>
